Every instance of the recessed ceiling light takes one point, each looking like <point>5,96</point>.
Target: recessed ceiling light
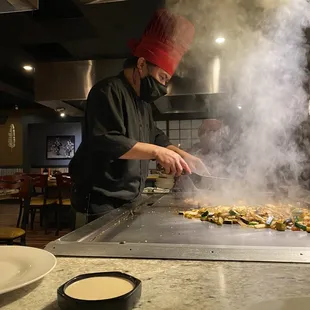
<point>62,114</point>
<point>28,68</point>
<point>220,40</point>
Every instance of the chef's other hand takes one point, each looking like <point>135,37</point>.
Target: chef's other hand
<point>172,162</point>
<point>196,165</point>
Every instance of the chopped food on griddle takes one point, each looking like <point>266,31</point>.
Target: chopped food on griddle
<point>280,217</point>
<point>280,226</point>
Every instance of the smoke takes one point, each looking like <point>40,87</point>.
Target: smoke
<point>265,57</point>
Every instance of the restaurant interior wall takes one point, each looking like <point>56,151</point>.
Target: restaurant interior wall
<point>31,119</point>
<point>181,132</point>
<point>11,157</point>
<point>37,135</point>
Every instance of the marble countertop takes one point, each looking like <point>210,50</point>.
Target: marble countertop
<point>176,284</point>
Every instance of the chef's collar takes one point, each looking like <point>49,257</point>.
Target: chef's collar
<point>121,75</point>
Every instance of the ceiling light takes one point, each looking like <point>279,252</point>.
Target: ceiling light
<point>61,111</point>
<point>28,68</point>
<point>220,40</point>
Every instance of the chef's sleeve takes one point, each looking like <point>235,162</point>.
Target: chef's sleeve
<point>108,136</point>
<point>160,138</point>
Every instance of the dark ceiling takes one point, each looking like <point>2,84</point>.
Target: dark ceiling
<point>64,30</point>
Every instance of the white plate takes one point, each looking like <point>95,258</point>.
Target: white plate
<point>21,265</point>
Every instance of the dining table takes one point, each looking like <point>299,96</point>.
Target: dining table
<point>7,194</point>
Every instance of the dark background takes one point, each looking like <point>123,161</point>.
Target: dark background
<point>37,135</point>
<point>63,30</point>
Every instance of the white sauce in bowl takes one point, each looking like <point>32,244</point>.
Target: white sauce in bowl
<point>99,288</point>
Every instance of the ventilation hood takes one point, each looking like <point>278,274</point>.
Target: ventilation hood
<point>11,6</point>
<point>67,84</point>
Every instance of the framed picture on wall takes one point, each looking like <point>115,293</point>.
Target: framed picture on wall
<point>60,147</point>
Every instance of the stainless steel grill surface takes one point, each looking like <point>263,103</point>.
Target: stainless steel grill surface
<point>160,223</point>
<point>156,231</point>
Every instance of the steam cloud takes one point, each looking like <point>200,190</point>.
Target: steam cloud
<point>265,57</point>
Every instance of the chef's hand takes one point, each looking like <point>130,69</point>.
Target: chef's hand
<point>196,165</point>
<point>172,162</point>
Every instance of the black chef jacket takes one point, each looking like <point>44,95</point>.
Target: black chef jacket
<point>115,120</point>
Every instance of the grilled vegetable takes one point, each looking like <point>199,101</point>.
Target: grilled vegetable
<point>279,217</point>
<point>280,226</point>
<point>230,221</point>
<point>190,214</point>
<point>220,221</point>
<point>258,218</point>
<point>294,228</point>
<point>260,226</point>
<point>233,212</point>
<point>301,226</point>
<point>205,214</point>
<point>241,223</point>
<point>273,225</point>
<point>244,220</point>
<point>253,223</point>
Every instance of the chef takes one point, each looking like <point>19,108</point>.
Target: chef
<point>211,135</point>
<point>215,142</point>
<point>110,167</point>
<point>211,148</point>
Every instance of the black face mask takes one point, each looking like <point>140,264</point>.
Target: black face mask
<point>151,89</point>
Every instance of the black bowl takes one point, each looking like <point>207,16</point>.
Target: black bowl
<point>124,302</point>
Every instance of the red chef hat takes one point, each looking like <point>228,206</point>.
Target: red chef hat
<point>165,40</point>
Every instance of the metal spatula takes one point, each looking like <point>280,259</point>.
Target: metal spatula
<point>204,173</point>
<point>213,177</point>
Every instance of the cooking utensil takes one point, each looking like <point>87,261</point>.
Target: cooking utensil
<point>213,177</point>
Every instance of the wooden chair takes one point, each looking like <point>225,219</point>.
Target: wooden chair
<point>64,185</point>
<point>21,205</point>
<point>22,185</point>
<point>41,202</point>
<point>11,179</point>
